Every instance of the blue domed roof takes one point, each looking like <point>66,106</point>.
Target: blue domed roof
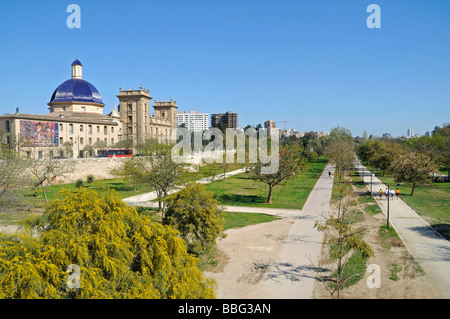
<point>76,90</point>
<point>76,62</point>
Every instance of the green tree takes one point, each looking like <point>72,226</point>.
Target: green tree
<point>159,171</point>
<point>292,161</point>
<point>120,253</point>
<point>342,155</point>
<point>197,215</point>
<point>413,167</point>
<point>343,241</point>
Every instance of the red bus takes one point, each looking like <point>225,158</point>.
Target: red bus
<point>115,152</point>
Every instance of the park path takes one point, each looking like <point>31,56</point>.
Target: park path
<point>426,246</point>
<point>270,260</point>
<point>275,260</point>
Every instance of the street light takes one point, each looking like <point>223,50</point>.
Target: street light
<point>371,184</point>
<point>388,206</point>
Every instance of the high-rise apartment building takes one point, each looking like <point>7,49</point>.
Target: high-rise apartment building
<point>228,119</point>
<point>193,121</point>
<point>270,126</point>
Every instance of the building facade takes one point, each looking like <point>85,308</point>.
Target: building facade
<point>193,121</point>
<point>228,119</point>
<point>76,125</point>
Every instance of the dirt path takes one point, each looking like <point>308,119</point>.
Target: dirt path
<point>273,260</point>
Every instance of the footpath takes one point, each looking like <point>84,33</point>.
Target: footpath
<point>426,245</point>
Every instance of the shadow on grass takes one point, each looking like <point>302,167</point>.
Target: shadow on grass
<point>443,229</point>
<point>240,199</point>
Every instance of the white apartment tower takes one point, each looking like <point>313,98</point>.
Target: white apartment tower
<point>193,121</point>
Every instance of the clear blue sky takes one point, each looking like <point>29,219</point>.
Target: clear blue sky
<point>313,63</point>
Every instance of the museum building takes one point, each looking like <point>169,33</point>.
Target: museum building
<point>77,127</point>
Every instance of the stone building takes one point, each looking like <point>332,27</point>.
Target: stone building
<point>77,127</point>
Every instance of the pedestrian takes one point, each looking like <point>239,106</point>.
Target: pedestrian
<point>381,193</point>
<point>386,192</point>
<point>392,193</point>
<point>329,173</point>
<point>397,192</point>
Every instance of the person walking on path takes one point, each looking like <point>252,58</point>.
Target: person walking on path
<point>397,192</point>
<point>329,173</point>
<point>386,192</point>
<point>381,193</point>
<point>392,194</point>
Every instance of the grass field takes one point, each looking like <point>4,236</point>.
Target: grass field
<point>431,201</point>
<point>240,190</point>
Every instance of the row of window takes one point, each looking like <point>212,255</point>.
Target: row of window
<point>89,128</point>
<point>81,140</point>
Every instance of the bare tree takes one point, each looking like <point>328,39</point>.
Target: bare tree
<point>12,174</point>
<point>46,171</point>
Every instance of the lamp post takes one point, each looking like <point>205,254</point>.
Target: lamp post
<point>371,184</point>
<point>387,225</point>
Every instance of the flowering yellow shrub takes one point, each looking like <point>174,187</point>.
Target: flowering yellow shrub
<point>120,253</point>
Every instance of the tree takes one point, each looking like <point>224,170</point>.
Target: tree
<point>197,215</point>
<point>129,169</point>
<point>413,167</point>
<point>46,171</point>
<point>12,175</point>
<point>159,171</point>
<point>120,254</point>
<point>341,152</point>
<point>340,134</point>
<point>292,161</point>
<point>343,240</point>
<point>382,154</point>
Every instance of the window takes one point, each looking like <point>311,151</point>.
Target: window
<point>105,130</point>
<point>70,128</point>
<point>98,129</point>
<point>130,119</point>
<point>90,141</point>
<point>130,107</point>
<point>83,108</point>
<point>71,140</point>
<point>81,128</point>
<point>81,141</point>
<point>112,129</point>
<point>61,127</point>
<point>61,141</point>
<point>162,114</point>
<point>40,154</point>
<point>112,141</point>
<point>7,127</point>
<point>51,154</point>
<point>130,130</point>
<point>89,129</point>
<point>106,141</point>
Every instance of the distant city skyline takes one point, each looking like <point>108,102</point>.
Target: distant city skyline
<point>315,64</point>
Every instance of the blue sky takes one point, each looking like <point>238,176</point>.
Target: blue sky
<point>313,63</point>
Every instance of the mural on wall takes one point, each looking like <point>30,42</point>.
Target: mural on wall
<point>35,133</point>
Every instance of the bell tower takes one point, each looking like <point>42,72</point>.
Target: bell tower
<point>134,110</point>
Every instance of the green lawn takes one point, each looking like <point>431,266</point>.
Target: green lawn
<point>240,190</point>
<point>431,201</point>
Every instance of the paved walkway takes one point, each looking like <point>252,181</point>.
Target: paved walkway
<point>426,246</point>
<point>297,256</point>
<point>147,199</point>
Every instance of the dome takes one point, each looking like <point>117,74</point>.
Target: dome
<point>76,90</point>
<point>76,62</point>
